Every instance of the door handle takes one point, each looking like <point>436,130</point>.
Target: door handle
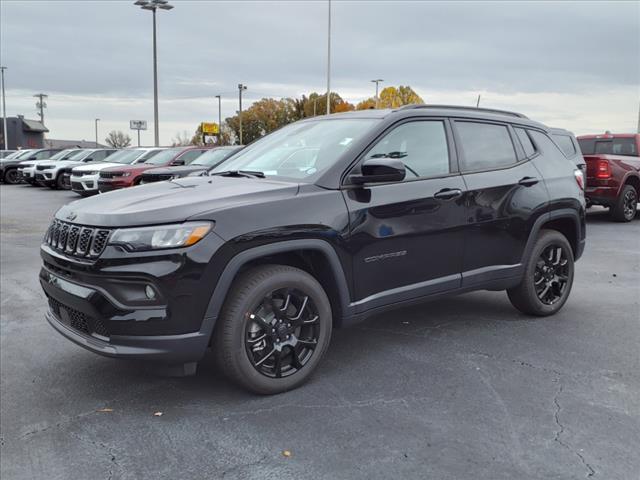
<point>528,181</point>
<point>448,193</point>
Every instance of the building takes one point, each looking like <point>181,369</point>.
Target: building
<point>51,143</point>
<point>23,133</point>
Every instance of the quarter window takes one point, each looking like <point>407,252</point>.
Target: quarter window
<point>527,145</point>
<point>421,145</point>
<point>565,144</point>
<point>485,146</point>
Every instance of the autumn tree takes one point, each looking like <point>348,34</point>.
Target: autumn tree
<point>392,97</point>
<point>118,139</point>
<point>263,117</point>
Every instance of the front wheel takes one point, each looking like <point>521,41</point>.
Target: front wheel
<point>274,329</point>
<point>548,276</point>
<point>11,176</point>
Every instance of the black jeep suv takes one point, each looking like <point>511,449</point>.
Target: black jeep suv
<point>313,227</point>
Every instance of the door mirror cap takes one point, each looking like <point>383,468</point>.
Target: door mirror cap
<point>177,162</point>
<point>380,170</point>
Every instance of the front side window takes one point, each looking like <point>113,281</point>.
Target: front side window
<point>301,151</point>
<point>212,158</point>
<point>190,156</point>
<point>565,144</point>
<point>163,157</point>
<point>485,145</point>
<point>421,145</point>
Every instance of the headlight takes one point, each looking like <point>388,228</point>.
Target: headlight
<point>162,236</point>
<point>125,174</point>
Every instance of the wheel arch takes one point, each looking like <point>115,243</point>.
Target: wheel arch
<point>566,221</point>
<point>634,181</point>
<point>316,257</point>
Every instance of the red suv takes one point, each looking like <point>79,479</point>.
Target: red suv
<point>613,172</point>
<point>124,176</point>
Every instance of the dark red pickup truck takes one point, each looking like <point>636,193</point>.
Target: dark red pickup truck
<point>613,172</point>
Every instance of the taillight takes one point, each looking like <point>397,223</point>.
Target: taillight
<point>579,178</point>
<point>604,170</point>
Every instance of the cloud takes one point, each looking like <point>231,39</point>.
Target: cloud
<point>572,62</point>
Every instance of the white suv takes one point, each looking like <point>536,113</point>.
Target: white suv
<point>27,168</point>
<point>50,173</point>
<point>84,179</point>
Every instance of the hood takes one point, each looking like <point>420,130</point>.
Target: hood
<point>172,201</point>
<point>182,170</point>
<point>91,166</point>
<point>134,168</point>
<point>31,163</point>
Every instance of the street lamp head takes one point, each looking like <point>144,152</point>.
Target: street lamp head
<point>165,6</point>
<point>148,7</point>
<point>141,3</point>
<point>377,80</point>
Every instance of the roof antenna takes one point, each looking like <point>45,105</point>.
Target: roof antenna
<point>478,102</point>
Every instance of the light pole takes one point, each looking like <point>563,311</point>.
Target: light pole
<point>329,60</point>
<point>4,112</point>
<point>241,87</point>
<point>219,119</point>
<point>96,121</point>
<point>41,104</point>
<point>153,5</point>
<point>377,81</point>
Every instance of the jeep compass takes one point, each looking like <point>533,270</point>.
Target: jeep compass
<point>314,227</point>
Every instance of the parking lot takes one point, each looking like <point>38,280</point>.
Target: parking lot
<point>459,388</point>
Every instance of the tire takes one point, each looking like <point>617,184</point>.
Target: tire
<point>247,316</point>
<point>11,176</point>
<point>626,204</point>
<point>59,183</point>
<point>530,296</point>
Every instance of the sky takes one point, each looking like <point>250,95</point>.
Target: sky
<point>574,65</point>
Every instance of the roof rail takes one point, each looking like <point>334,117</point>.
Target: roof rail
<point>458,107</point>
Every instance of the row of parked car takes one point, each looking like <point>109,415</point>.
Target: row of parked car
<point>91,171</point>
<point>610,163</point>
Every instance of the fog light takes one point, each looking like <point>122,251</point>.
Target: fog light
<point>151,293</point>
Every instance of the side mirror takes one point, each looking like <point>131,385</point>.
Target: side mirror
<point>88,159</point>
<point>380,170</point>
<point>177,162</point>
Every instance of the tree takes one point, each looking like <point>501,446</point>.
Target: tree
<point>183,139</point>
<point>118,139</point>
<point>392,97</point>
<point>263,117</point>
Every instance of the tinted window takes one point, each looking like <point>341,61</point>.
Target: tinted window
<point>485,146</point>
<point>617,146</point>
<point>525,141</point>
<point>191,155</point>
<point>565,144</point>
<point>422,147</point>
<point>212,158</point>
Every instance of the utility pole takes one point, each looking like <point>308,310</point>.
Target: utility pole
<point>5,135</point>
<point>219,119</point>
<point>41,105</point>
<point>241,87</point>
<point>329,61</point>
<point>377,81</point>
<point>96,121</point>
<point>154,5</point>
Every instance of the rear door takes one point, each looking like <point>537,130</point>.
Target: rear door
<point>505,195</point>
<point>406,237</point>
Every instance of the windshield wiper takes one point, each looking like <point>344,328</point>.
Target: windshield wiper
<point>240,173</point>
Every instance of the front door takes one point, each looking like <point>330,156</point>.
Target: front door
<point>406,237</point>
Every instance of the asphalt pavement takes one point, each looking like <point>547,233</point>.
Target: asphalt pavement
<point>461,388</point>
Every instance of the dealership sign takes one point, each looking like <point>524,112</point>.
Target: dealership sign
<point>138,124</point>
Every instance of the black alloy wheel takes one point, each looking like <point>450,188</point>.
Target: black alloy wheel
<point>282,333</point>
<point>625,208</point>
<point>551,274</point>
<point>11,176</point>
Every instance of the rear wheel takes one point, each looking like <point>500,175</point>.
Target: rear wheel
<point>625,208</point>
<point>274,329</point>
<point>548,276</point>
<point>61,183</point>
<point>11,176</point>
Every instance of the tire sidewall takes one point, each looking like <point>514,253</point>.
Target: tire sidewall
<point>291,278</point>
<point>11,176</point>
<point>547,239</point>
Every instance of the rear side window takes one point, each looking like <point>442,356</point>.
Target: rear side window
<point>421,145</point>
<point>485,146</point>
<point>565,144</point>
<point>525,141</point>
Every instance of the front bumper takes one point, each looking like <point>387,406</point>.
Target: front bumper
<point>85,183</point>
<point>107,185</point>
<point>601,195</point>
<point>44,177</point>
<point>101,305</point>
<point>27,175</point>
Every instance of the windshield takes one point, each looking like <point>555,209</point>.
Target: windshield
<point>164,156</point>
<point>609,146</point>
<point>79,155</point>
<point>213,157</point>
<point>25,154</point>
<point>64,155</point>
<point>300,151</point>
<point>124,157</point>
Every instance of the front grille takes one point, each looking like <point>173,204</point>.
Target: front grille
<point>42,167</point>
<point>108,174</point>
<point>77,320</point>
<point>82,174</point>
<point>77,240</point>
